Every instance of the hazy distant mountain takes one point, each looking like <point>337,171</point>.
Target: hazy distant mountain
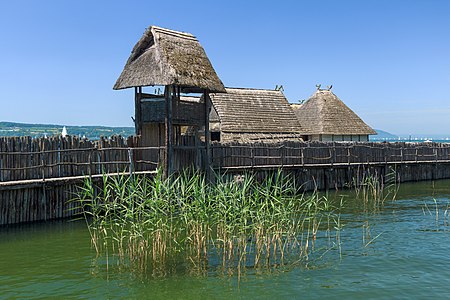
<point>95,132</point>
<point>38,130</point>
<point>383,135</point>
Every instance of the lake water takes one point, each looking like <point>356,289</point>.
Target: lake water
<point>401,252</point>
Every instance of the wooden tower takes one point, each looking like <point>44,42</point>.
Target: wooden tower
<point>176,61</point>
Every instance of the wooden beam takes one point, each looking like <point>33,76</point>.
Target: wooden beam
<point>207,134</point>
<point>150,96</point>
<point>169,92</point>
<point>137,110</point>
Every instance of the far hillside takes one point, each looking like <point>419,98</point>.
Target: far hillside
<point>40,130</point>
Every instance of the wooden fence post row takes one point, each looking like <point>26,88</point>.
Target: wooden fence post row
<point>24,158</point>
<point>305,154</point>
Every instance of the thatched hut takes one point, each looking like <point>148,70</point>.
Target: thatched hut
<point>249,115</point>
<point>176,61</point>
<point>167,57</point>
<point>326,118</point>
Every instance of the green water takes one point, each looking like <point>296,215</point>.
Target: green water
<point>401,252</point>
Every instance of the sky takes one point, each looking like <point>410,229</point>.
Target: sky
<point>388,60</point>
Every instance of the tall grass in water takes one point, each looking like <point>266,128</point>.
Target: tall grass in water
<point>184,222</point>
<point>374,189</point>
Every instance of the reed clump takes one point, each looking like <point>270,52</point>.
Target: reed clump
<point>157,225</point>
<point>374,189</point>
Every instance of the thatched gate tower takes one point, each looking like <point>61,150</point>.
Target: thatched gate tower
<point>176,61</point>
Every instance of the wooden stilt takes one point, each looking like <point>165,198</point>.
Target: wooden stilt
<point>137,110</point>
<point>169,92</point>
<point>207,135</point>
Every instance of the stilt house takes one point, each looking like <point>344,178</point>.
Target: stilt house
<point>326,118</point>
<point>253,115</point>
<point>176,61</point>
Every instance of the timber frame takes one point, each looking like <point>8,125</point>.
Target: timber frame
<point>169,109</point>
<point>176,61</point>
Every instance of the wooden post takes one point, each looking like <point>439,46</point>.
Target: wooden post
<point>43,165</point>
<point>197,150</point>
<point>59,157</point>
<point>90,163</point>
<point>1,167</point>
<point>99,165</point>
<point>252,155</point>
<point>334,153</point>
<point>169,90</point>
<point>330,153</point>
<point>348,155</point>
<point>130,160</point>
<point>303,157</point>
<point>207,134</point>
<point>435,150</point>
<point>137,110</point>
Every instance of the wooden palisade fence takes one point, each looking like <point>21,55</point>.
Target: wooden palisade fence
<point>38,177</point>
<point>310,154</point>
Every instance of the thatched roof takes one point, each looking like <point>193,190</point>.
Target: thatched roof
<point>164,57</point>
<point>325,113</point>
<point>254,111</point>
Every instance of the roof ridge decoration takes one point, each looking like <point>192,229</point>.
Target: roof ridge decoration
<point>251,90</point>
<point>164,57</point>
<point>179,34</point>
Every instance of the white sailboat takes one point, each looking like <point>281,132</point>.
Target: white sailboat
<point>64,132</point>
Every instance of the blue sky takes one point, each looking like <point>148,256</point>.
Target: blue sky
<point>389,61</point>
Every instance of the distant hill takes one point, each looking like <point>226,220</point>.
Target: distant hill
<point>383,135</point>
<point>39,130</point>
<point>95,132</point>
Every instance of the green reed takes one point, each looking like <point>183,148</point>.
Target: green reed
<point>374,189</point>
<point>158,224</point>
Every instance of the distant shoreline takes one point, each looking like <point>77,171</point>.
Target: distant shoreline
<point>42,130</point>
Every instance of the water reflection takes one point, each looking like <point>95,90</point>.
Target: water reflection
<point>400,251</point>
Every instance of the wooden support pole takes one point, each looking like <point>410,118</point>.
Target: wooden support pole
<point>303,156</point>
<point>137,110</point>
<point>169,92</point>
<point>252,154</point>
<point>130,161</point>
<point>1,167</point>
<point>207,134</point>
<point>348,155</point>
